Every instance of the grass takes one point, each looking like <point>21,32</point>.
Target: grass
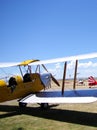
<point>65,116</point>
<point>60,117</point>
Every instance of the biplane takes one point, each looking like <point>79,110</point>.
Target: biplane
<point>91,81</point>
<point>34,87</point>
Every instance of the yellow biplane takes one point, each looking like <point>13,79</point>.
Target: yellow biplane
<point>19,86</point>
<point>33,87</point>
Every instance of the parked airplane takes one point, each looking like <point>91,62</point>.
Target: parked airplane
<point>19,86</point>
<point>91,81</point>
<point>34,87</point>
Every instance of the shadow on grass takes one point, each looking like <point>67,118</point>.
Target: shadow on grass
<point>76,117</point>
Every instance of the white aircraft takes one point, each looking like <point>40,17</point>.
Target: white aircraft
<point>33,87</point>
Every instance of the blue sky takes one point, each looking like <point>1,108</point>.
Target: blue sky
<point>46,29</point>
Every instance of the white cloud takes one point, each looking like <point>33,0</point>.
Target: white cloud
<point>70,65</point>
<point>58,66</point>
<point>82,64</point>
<point>85,69</point>
<point>88,64</point>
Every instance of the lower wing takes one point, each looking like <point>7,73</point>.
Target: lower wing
<point>70,96</point>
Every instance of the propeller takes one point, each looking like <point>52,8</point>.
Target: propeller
<point>53,78</point>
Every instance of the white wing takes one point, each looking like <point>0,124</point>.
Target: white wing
<point>70,96</point>
<point>71,58</point>
<point>8,64</point>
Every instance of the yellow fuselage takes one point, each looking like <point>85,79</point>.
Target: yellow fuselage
<point>21,90</point>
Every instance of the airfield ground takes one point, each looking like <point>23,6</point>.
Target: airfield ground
<point>58,117</point>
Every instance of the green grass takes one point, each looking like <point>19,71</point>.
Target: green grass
<point>61,117</point>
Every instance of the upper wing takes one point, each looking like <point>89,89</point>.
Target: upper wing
<point>8,64</point>
<point>37,62</point>
<point>71,58</point>
<point>26,62</point>
<point>70,96</point>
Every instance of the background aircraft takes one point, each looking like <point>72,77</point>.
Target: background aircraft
<point>33,87</point>
<point>91,81</point>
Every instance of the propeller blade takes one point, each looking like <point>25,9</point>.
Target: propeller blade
<point>55,81</point>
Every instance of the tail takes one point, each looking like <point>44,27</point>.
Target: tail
<point>91,81</point>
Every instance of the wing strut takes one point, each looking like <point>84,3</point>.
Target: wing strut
<point>37,69</point>
<point>75,74</point>
<point>44,67</point>
<point>64,77</point>
<point>20,70</point>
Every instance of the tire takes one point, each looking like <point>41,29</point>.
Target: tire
<point>22,105</point>
<point>44,105</point>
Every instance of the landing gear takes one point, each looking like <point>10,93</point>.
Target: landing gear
<point>44,105</point>
<point>22,105</point>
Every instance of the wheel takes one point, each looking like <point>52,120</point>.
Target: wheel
<point>44,105</point>
<point>22,105</point>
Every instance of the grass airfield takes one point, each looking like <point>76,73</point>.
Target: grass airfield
<point>57,117</point>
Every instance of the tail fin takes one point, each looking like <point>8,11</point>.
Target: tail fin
<point>91,81</point>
